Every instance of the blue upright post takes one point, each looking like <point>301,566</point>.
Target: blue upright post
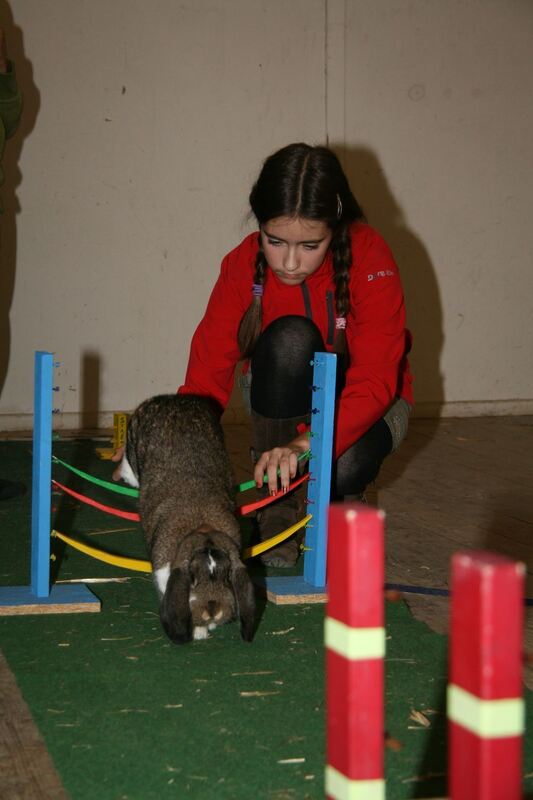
<point>311,586</point>
<point>39,597</point>
<point>41,474</point>
<point>318,492</point>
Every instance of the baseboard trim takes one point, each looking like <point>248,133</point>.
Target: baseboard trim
<point>67,421</point>
<point>473,408</point>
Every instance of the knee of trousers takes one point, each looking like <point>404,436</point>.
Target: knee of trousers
<point>359,466</point>
<point>353,476</point>
<point>281,367</point>
<point>292,336</point>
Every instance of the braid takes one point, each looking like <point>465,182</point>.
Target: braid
<point>341,249</point>
<point>250,325</point>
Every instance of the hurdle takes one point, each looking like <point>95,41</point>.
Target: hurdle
<point>40,597</point>
<point>485,707</point>
<point>311,586</point>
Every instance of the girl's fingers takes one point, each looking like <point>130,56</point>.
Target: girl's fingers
<point>117,455</point>
<point>279,465</point>
<point>272,473</point>
<point>259,470</point>
<point>285,471</point>
<point>293,460</point>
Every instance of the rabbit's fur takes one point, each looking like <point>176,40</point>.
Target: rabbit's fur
<point>175,454</point>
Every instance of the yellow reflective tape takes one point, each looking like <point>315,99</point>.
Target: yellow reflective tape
<point>339,787</point>
<point>488,719</point>
<point>354,643</point>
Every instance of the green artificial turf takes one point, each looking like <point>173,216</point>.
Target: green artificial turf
<point>127,714</point>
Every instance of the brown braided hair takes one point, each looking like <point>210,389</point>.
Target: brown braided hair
<point>308,182</point>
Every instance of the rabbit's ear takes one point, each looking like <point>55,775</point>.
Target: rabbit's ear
<point>245,597</point>
<point>175,611</point>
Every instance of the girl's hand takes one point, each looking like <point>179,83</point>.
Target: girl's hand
<point>284,459</point>
<point>117,456</point>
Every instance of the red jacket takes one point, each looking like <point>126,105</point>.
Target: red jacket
<point>377,339</point>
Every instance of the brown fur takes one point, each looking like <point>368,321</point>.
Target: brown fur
<point>175,448</point>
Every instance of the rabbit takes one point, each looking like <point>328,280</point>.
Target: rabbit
<point>175,455</point>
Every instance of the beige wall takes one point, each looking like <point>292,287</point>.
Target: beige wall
<point>146,123</point>
<point>438,126</point>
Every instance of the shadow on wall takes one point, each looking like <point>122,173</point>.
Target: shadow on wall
<point>422,295</point>
<point>13,178</point>
<point>90,390</point>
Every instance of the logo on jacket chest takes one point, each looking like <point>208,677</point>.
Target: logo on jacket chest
<point>383,273</point>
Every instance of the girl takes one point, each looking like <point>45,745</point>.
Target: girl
<point>315,277</point>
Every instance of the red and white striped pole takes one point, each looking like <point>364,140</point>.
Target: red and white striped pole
<point>355,649</point>
<point>485,705</point>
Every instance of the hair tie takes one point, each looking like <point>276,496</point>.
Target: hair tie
<point>340,323</point>
<point>257,290</point>
<point>339,207</point>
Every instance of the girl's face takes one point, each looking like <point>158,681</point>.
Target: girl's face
<point>295,248</point>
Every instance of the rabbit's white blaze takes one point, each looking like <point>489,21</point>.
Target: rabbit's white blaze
<point>127,474</point>
<point>161,577</point>
<point>211,563</point>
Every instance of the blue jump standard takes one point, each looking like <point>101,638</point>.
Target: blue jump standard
<point>39,597</point>
<point>21,599</point>
<point>310,587</point>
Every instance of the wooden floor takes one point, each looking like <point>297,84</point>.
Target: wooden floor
<point>26,769</point>
<point>454,484</point>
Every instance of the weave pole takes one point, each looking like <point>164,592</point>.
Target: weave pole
<point>355,650</point>
<point>485,704</point>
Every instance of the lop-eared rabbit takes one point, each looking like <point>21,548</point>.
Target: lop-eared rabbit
<point>175,455</point>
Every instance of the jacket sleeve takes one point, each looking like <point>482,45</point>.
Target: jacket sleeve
<point>376,340</point>
<point>214,351</point>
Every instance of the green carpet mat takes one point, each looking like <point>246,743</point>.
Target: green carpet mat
<point>127,715</point>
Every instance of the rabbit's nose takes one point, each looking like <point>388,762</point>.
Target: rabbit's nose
<point>212,608</point>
